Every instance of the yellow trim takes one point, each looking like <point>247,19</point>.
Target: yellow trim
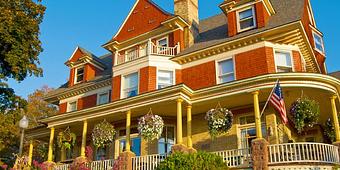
<point>189,119</point>
<point>128,125</point>
<point>30,153</point>
<point>179,121</point>
<point>50,146</point>
<point>257,115</point>
<point>83,140</point>
<point>335,118</point>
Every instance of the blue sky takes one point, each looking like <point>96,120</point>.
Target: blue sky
<point>90,24</point>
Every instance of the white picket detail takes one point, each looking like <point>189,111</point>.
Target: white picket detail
<point>62,167</point>
<point>101,165</point>
<point>148,162</point>
<point>301,167</point>
<point>236,157</point>
<point>164,51</point>
<point>303,152</point>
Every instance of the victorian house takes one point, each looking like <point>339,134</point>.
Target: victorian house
<point>180,67</point>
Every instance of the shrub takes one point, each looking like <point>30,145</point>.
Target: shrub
<point>195,161</point>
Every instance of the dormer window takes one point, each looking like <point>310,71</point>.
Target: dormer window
<point>79,75</point>
<point>318,41</point>
<point>246,19</point>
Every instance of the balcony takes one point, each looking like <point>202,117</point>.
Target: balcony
<point>94,165</point>
<point>147,50</point>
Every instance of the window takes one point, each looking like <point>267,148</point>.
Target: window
<point>131,85</point>
<point>318,41</point>
<point>163,42</point>
<point>246,19</point>
<point>103,98</point>
<point>165,78</point>
<point>226,71</point>
<point>167,140</point>
<point>283,62</point>
<point>72,106</point>
<point>248,130</point>
<point>79,75</point>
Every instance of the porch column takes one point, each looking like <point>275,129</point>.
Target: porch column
<point>83,140</point>
<point>179,121</point>
<point>189,137</point>
<point>335,119</point>
<point>30,153</point>
<point>257,115</point>
<point>50,146</point>
<point>128,125</point>
<point>62,153</point>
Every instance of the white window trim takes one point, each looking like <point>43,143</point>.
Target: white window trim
<point>284,51</point>
<point>122,82</point>
<point>75,74</point>
<point>218,71</point>
<point>240,127</point>
<point>68,105</point>
<point>108,97</point>
<point>166,69</point>
<point>322,43</point>
<point>165,37</point>
<point>238,19</point>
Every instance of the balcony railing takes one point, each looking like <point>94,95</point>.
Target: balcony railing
<point>62,167</point>
<point>149,49</point>
<point>304,153</point>
<point>100,165</point>
<point>148,162</point>
<point>236,158</point>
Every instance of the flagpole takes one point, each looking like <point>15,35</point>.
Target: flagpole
<point>271,93</point>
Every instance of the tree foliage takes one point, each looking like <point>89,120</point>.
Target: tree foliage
<point>19,44</point>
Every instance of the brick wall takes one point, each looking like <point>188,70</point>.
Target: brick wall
<point>87,102</point>
<point>200,76</point>
<point>262,15</point>
<point>255,62</point>
<point>178,76</point>
<point>147,79</point>
<point>116,85</point>
<point>232,24</point>
<point>90,72</point>
<point>297,61</point>
<point>71,79</point>
<point>62,108</point>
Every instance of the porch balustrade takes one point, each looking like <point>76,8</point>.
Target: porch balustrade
<point>148,162</point>
<point>236,158</point>
<point>62,167</point>
<point>304,153</point>
<point>100,165</point>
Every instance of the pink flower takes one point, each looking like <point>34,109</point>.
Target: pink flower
<point>4,166</point>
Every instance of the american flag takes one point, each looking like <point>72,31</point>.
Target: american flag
<point>276,99</point>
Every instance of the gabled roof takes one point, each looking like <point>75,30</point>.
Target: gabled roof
<point>213,30</point>
<point>158,15</point>
<point>80,52</point>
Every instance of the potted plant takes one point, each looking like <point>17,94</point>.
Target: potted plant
<point>219,120</point>
<point>66,139</point>
<point>103,134</point>
<point>305,113</point>
<point>150,126</point>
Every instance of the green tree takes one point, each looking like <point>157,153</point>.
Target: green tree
<point>19,45</point>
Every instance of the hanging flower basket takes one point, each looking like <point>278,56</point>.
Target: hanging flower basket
<point>66,139</point>
<point>305,113</point>
<point>103,134</point>
<point>150,126</point>
<point>219,120</point>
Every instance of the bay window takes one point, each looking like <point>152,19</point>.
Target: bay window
<point>283,61</point>
<point>164,79</point>
<point>226,71</point>
<point>130,85</point>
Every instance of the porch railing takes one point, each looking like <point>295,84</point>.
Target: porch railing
<point>62,167</point>
<point>148,162</point>
<point>236,157</point>
<point>165,51</point>
<point>303,152</point>
<point>100,165</point>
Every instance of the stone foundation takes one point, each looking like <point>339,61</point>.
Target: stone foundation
<point>260,153</point>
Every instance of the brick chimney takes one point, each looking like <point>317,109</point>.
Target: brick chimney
<point>188,10</point>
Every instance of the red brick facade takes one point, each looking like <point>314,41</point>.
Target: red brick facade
<point>262,15</point>
<point>147,79</point>
<point>255,62</point>
<point>62,108</point>
<point>297,61</point>
<point>87,102</point>
<point>232,24</point>
<point>116,85</point>
<point>200,76</point>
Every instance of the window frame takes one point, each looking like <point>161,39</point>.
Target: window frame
<point>240,127</point>
<point>101,93</point>
<point>159,39</point>
<point>76,75</point>
<point>175,135</point>
<point>69,104</point>
<point>238,19</point>
<point>218,80</point>
<point>169,70</point>
<point>122,91</point>
<point>290,52</point>
<point>322,42</point>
